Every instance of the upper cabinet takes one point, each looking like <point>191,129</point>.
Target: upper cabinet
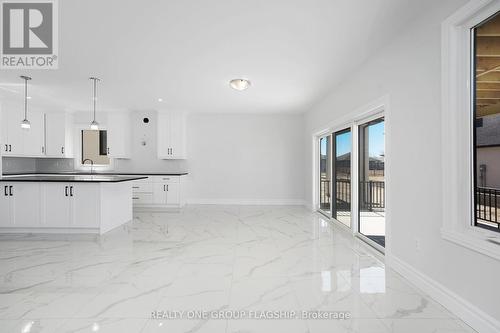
<point>119,135</point>
<point>171,134</point>
<point>16,141</point>
<point>58,135</point>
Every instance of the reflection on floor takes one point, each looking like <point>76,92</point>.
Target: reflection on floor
<point>372,225</point>
<point>209,258</point>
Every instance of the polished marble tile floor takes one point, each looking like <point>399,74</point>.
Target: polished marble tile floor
<point>207,262</point>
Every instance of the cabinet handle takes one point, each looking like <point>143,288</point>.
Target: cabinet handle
<point>43,150</point>
<point>164,189</point>
<point>5,191</point>
<point>135,186</point>
<point>6,147</point>
<point>62,150</point>
<point>71,191</point>
<point>10,148</point>
<point>65,190</point>
<point>10,191</point>
<point>167,188</point>
<point>108,150</point>
<point>135,198</point>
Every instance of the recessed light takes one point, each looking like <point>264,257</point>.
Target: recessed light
<point>239,84</point>
<point>160,99</point>
<point>28,97</point>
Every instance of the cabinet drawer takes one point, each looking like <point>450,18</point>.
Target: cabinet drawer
<point>142,187</point>
<point>166,179</point>
<point>142,198</point>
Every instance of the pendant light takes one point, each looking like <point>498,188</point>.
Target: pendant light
<point>94,125</point>
<point>25,124</point>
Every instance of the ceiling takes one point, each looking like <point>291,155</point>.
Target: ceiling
<point>186,51</point>
<point>488,67</point>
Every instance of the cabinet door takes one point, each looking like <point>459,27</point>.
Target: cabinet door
<point>55,134</point>
<point>119,133</point>
<point>177,129</point>
<point>85,205</point>
<point>173,194</point>
<point>33,138</point>
<point>14,140</point>
<point>55,205</point>
<point>5,215</point>
<point>25,205</point>
<point>164,130</point>
<point>159,193</point>
<point>4,129</point>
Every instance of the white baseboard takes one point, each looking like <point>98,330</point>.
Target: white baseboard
<point>256,202</point>
<point>463,309</point>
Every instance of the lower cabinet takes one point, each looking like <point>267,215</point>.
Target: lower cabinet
<point>14,211</point>
<point>70,205</point>
<point>159,191</point>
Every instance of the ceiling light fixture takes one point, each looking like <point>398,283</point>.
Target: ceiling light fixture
<point>160,99</point>
<point>239,84</point>
<point>94,125</point>
<point>25,124</point>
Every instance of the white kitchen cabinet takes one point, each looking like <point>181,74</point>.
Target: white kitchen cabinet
<point>16,141</point>
<point>5,206</point>
<point>119,134</point>
<point>171,134</point>
<point>71,205</point>
<point>14,211</point>
<point>84,205</point>
<point>58,135</point>
<point>159,192</point>
<point>12,133</point>
<point>33,138</point>
<point>173,194</point>
<point>56,205</point>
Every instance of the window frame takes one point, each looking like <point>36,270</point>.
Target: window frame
<point>457,118</point>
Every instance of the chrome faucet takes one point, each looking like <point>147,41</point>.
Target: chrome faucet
<point>91,164</point>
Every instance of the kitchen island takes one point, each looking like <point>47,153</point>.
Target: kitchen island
<point>65,203</point>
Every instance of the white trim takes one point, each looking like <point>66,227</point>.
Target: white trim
<point>468,312</point>
<point>457,172</point>
<point>247,202</point>
<point>49,230</point>
<point>371,111</point>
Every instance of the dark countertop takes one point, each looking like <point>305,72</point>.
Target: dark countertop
<point>72,179</point>
<point>78,173</point>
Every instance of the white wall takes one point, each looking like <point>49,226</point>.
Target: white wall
<point>408,70</point>
<point>245,158</point>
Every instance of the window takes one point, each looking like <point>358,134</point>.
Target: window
<point>468,97</point>
<point>486,123</point>
<point>372,181</point>
<point>341,210</point>
<point>325,172</point>
<point>94,147</point>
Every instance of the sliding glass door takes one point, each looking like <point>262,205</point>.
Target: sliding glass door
<point>372,181</point>
<point>325,173</point>
<point>341,209</point>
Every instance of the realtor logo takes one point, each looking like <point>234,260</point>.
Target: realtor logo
<point>29,34</point>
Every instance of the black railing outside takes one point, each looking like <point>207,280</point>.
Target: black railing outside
<point>487,202</point>
<point>372,195</point>
<point>343,194</point>
<point>324,193</point>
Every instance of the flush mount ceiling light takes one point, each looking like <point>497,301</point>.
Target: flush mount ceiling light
<point>25,124</point>
<point>94,125</point>
<point>160,99</point>
<point>239,84</point>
